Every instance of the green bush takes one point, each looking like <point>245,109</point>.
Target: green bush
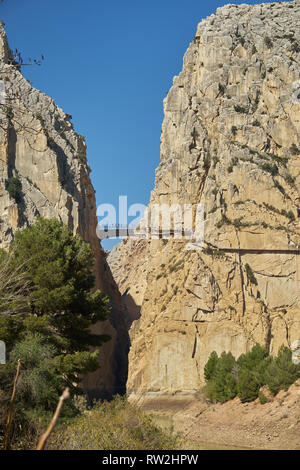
<point>240,109</point>
<point>253,359</point>
<point>262,398</point>
<point>294,149</point>
<point>248,385</point>
<point>14,188</point>
<point>273,169</point>
<point>221,89</point>
<point>281,371</point>
<point>268,42</point>
<point>210,366</point>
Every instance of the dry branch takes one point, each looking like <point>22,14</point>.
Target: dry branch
<point>10,410</point>
<point>45,436</point>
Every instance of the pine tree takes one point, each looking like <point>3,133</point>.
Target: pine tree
<point>248,385</point>
<point>225,381</point>
<point>60,304</point>
<point>281,371</point>
<point>210,366</point>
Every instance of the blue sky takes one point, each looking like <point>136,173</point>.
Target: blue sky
<point>110,65</point>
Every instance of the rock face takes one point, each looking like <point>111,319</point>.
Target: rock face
<point>230,141</point>
<point>42,155</point>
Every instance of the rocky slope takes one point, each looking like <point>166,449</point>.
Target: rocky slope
<point>230,140</point>
<point>47,159</point>
<point>274,425</point>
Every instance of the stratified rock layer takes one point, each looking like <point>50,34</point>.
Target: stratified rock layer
<point>230,141</point>
<point>39,147</point>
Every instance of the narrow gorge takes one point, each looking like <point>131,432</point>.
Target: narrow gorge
<point>231,142</point>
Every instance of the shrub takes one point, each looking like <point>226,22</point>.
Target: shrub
<point>14,188</point>
<point>250,275</point>
<point>9,112</point>
<point>224,221</point>
<point>295,47</point>
<point>221,89</point>
<point>239,109</point>
<point>279,187</point>
<point>262,398</point>
<point>273,169</point>
<point>248,385</point>
<point>281,371</point>
<point>242,40</point>
<point>291,215</point>
<point>289,179</point>
<point>216,161</point>
<point>81,155</point>
<point>294,149</point>
<point>115,425</point>
<point>39,387</point>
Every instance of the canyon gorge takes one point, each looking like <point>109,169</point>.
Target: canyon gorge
<point>231,142</point>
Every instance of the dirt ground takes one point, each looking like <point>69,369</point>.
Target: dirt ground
<point>234,425</point>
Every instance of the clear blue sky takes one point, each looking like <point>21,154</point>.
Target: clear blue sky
<point>110,65</point>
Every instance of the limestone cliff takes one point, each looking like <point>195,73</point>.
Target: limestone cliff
<point>45,160</point>
<point>230,140</point>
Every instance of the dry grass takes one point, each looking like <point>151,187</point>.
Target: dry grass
<point>115,425</point>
